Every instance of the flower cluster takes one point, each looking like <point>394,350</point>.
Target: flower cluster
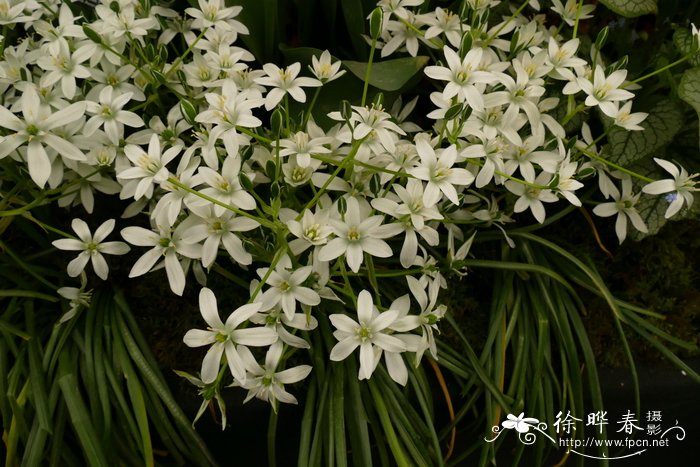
<point>361,218</point>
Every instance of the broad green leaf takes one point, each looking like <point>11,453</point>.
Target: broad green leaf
<point>355,23</point>
<point>389,75</point>
<point>631,8</point>
<point>689,88</point>
<point>262,19</point>
<point>664,121</point>
<point>684,42</point>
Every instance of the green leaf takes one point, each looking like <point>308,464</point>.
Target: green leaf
<point>262,19</point>
<point>389,75</point>
<point>685,43</point>
<point>689,88</point>
<point>92,34</point>
<point>631,8</point>
<point>79,416</point>
<point>664,121</point>
<point>355,23</point>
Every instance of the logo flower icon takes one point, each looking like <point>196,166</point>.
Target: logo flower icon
<point>520,423</point>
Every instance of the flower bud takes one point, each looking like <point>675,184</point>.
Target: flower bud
<point>376,20</point>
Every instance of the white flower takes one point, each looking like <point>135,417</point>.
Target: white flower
<point>603,91</point>
<point>165,244</point>
<point>265,382</point>
<point>217,230</point>
<point>356,235</point>
<point>61,65</point>
<point>149,168</point>
<point>37,130</point>
<point>124,21</point>
<point>284,81</point>
<point>570,11</point>
<point>311,230</point>
<point>225,337</point>
<point>369,333</point>
<point>373,123</point>
<point>91,248</point>
<point>563,58</point>
<point>442,21</point>
<point>681,187</point>
<point>626,119</point>
<point>412,215</point>
<point>108,112</point>
<point>398,7</point>
<point>277,319</point>
<point>226,186</point>
<point>228,110</point>
<point>303,147</point>
<point>623,207</point>
<point>323,69</point>
<point>531,197</point>
<point>429,316</point>
<point>403,33</point>
<point>78,297</point>
<point>215,14</point>
<point>462,75</point>
<point>439,173</point>
<point>286,287</point>
<point>567,184</point>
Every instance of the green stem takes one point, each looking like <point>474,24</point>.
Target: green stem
<point>286,113</point>
<point>179,59</point>
<point>271,435</point>
<point>263,280</point>
<point>571,114</point>
<point>662,69</point>
<point>254,135</point>
<point>506,23</point>
<point>595,156</point>
<point>260,220</point>
<point>43,225</point>
<point>578,14</point>
<point>368,72</point>
<point>344,163</point>
<point>307,115</point>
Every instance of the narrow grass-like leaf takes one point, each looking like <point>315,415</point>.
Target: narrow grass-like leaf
<point>383,414</point>
<point>11,437</point>
<point>307,424</point>
<point>153,377</point>
<point>666,353</point>
<point>28,294</point>
<point>357,419</point>
<point>271,439</point>
<point>58,440</point>
<point>138,406</point>
<point>477,367</point>
<point>338,401</point>
<point>160,420</point>
<point>315,453</point>
<point>80,419</point>
<point>427,414</point>
<point>38,386</point>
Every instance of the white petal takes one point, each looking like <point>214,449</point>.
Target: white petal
<point>344,348</point>
<point>76,266</point>
<point>199,338</point>
<point>209,309</point>
<point>212,363</point>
